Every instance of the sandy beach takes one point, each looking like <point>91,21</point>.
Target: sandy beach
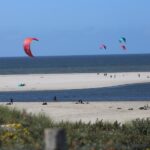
<point>35,82</point>
<point>69,111</point>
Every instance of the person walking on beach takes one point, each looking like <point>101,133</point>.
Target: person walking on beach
<point>11,101</point>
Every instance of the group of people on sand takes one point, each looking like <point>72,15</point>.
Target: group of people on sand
<point>44,103</point>
<point>105,75</point>
<point>80,101</point>
<point>111,76</point>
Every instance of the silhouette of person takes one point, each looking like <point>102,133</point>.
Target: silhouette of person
<point>55,98</point>
<point>11,101</point>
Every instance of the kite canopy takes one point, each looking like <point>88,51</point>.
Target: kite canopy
<point>103,46</point>
<point>26,45</point>
<point>122,40</point>
<point>123,47</point>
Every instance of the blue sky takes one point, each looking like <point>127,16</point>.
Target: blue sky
<point>74,27</point>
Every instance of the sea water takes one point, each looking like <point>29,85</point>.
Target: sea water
<point>75,64</point>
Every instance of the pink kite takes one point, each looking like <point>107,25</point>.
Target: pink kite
<point>103,46</point>
<point>123,47</point>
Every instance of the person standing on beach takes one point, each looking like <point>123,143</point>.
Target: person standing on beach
<point>55,98</point>
<point>11,101</point>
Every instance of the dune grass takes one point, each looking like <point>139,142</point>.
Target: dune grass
<point>28,133</point>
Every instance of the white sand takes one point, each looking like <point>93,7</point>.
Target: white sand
<point>69,111</point>
<point>69,81</point>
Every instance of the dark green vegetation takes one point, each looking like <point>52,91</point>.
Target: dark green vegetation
<point>27,133</point>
